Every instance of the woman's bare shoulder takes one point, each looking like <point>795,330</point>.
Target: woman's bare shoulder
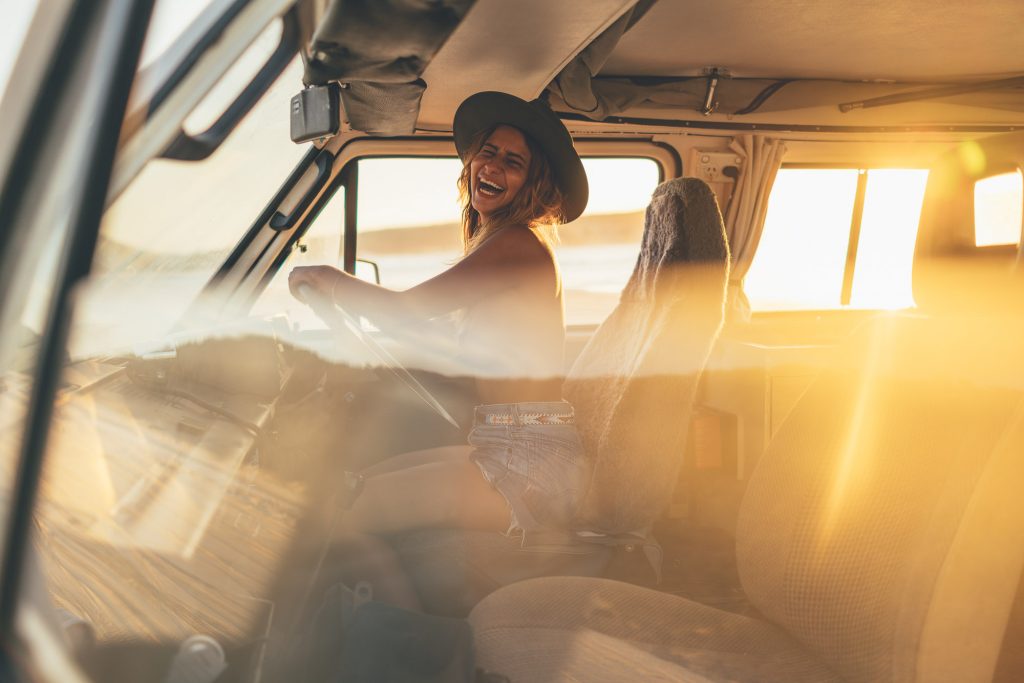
<point>521,244</point>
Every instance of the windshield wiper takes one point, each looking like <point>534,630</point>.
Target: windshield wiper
<point>932,93</point>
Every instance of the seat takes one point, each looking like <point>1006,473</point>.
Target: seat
<point>880,536</point>
<point>634,383</point>
<point>633,388</point>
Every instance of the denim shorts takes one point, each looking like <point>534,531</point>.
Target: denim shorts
<point>531,454</point>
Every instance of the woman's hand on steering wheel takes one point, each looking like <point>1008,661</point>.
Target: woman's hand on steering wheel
<point>314,285</point>
<point>321,279</point>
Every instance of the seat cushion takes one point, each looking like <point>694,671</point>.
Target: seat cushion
<point>572,628</point>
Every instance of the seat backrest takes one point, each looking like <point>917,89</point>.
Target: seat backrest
<point>633,384</point>
<point>884,526</point>
<point>855,527</point>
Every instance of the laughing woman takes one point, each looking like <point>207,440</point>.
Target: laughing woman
<point>523,469</point>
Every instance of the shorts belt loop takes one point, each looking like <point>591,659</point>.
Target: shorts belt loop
<point>515,415</point>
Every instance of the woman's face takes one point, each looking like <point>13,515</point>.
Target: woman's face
<point>499,170</point>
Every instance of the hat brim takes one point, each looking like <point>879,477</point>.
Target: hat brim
<point>484,110</point>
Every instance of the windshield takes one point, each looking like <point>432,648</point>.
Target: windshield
<point>169,21</point>
<point>13,28</point>
<point>166,235</point>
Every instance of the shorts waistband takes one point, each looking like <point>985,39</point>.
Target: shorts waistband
<point>532,413</point>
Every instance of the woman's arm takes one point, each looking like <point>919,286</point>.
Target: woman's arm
<point>514,257</point>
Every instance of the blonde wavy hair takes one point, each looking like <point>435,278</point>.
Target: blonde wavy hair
<point>538,204</point>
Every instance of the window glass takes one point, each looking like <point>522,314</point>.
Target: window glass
<point>888,231</point>
<point>801,260</point>
<point>998,205</point>
<point>237,77</point>
<point>169,20</point>
<point>13,29</point>
<point>409,217</point>
<point>598,251</point>
<point>169,231</point>
<point>409,223</point>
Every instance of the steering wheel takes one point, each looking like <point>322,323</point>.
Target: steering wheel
<point>341,321</point>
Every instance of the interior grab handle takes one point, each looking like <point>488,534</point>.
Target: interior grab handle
<point>197,147</point>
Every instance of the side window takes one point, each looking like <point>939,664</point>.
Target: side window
<point>408,217</point>
<point>409,224</point>
<point>172,227</point>
<point>998,205</point>
<point>806,259</point>
<point>597,251</point>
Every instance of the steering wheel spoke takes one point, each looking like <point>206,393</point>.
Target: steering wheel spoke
<point>344,323</point>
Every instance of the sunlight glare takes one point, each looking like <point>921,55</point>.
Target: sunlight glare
<point>972,157</point>
<point>885,254</point>
<point>857,456</point>
<point>799,261</point>
<point>998,209</point>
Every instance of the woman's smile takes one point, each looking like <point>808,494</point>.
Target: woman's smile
<point>488,188</point>
<point>499,170</point>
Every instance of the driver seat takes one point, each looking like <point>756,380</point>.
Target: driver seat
<point>632,387</point>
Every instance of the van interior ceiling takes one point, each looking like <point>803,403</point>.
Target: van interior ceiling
<point>867,72</point>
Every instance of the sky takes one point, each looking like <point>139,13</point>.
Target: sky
<point>16,16</point>
<point>170,17</point>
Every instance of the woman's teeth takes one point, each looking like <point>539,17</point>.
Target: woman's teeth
<point>489,188</point>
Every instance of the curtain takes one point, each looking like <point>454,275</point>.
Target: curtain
<point>744,218</point>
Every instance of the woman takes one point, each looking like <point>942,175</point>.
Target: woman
<point>524,468</point>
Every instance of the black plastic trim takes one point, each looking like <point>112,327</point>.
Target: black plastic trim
<point>350,179</point>
<point>763,96</point>
<point>323,162</point>
<point>187,147</point>
<point>298,233</point>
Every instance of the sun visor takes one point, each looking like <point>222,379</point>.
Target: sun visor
<point>575,83</point>
<point>377,50</point>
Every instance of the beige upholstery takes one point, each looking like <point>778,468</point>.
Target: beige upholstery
<point>633,385</point>
<point>861,509</point>
<point>582,629</point>
<point>880,537</point>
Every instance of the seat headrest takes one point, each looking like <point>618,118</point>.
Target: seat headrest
<point>683,227</point>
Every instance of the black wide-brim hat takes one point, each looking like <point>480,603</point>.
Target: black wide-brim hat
<point>485,110</point>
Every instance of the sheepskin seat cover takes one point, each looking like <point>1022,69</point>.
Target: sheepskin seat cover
<point>633,385</point>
